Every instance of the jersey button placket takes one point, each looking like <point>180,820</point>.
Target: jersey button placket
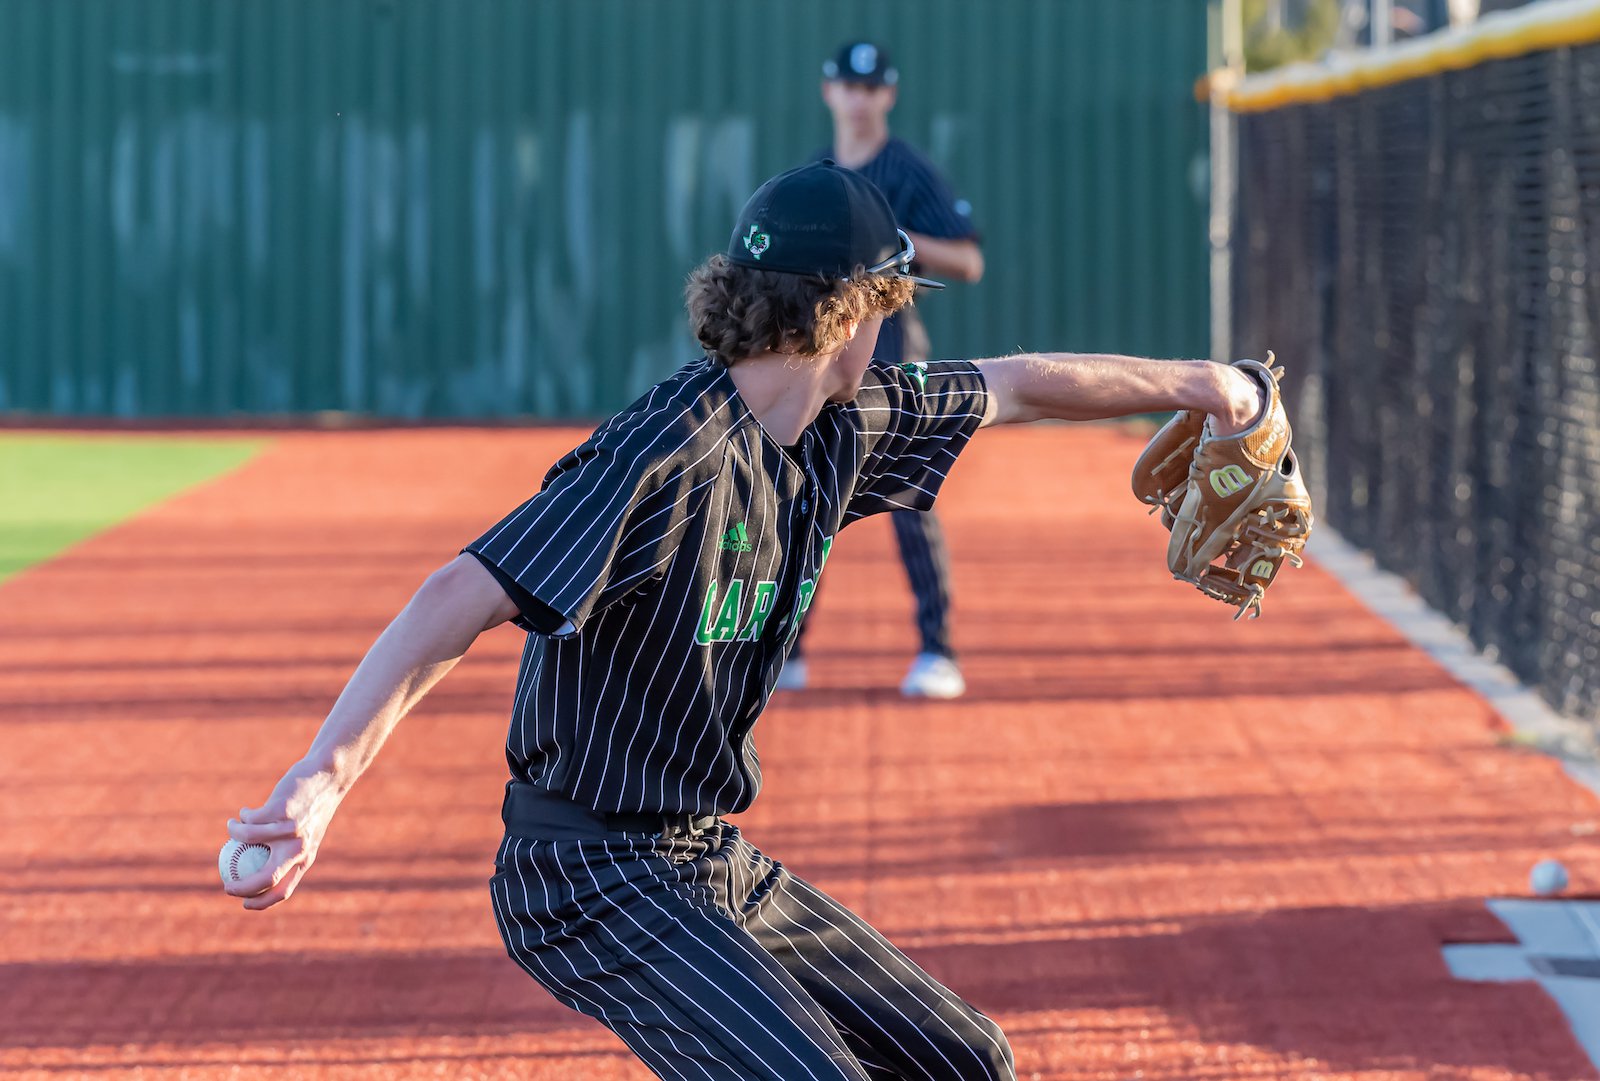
<point>808,489</point>
<point>806,545</point>
<point>797,557</point>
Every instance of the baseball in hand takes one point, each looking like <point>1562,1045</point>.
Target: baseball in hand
<point>238,861</point>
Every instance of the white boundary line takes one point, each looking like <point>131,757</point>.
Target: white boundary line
<point>1393,599</point>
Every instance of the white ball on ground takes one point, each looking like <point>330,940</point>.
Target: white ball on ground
<point>1547,877</point>
<point>239,861</point>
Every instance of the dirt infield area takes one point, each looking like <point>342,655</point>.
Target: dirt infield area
<point>1152,843</point>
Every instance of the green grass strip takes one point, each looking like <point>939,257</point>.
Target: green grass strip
<point>56,490</point>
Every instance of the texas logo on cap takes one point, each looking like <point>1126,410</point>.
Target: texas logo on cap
<point>756,242</point>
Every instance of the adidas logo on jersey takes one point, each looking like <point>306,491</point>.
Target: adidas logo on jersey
<point>724,618</point>
<point>736,540</point>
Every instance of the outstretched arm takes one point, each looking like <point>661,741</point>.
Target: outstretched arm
<point>1090,386</point>
<point>457,603</point>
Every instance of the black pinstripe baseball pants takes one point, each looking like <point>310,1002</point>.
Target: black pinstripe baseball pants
<point>714,963</point>
<point>920,537</point>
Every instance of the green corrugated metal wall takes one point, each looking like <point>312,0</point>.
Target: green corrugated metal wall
<point>479,208</point>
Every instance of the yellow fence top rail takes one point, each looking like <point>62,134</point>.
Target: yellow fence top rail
<point>1500,35</point>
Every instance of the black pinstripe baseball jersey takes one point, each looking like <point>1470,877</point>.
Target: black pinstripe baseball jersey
<point>922,201</point>
<point>668,561</point>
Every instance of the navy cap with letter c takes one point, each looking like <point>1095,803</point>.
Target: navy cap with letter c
<point>821,219</point>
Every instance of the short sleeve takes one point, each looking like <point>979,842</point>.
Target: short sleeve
<point>608,518</point>
<point>914,421</point>
<point>935,209</point>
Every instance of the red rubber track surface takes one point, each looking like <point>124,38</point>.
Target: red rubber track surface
<point>1151,842</point>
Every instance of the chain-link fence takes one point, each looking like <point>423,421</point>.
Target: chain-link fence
<point>1424,257</point>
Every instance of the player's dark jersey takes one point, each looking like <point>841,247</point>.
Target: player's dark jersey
<point>666,565</point>
<point>922,201</point>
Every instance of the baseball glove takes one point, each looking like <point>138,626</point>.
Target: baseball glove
<point>1236,505</point>
<point>1161,474</point>
<point>1273,532</point>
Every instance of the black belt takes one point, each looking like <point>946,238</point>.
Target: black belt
<point>541,815</point>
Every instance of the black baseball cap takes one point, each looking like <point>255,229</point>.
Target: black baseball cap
<point>861,62</point>
<point>822,219</point>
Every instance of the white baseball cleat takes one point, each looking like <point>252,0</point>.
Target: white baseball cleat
<point>793,676</point>
<point>933,676</point>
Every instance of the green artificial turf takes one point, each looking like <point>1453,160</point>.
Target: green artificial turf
<point>55,490</point>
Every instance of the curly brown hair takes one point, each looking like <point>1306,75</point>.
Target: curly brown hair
<point>739,311</point>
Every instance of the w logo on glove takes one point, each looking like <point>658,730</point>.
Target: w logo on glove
<point>1250,513</point>
<point>1228,480</point>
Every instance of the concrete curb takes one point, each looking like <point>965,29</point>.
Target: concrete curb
<point>1391,597</point>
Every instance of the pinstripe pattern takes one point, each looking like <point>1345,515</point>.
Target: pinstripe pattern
<point>667,564</point>
<point>681,546</point>
<point>922,551</point>
<point>920,538</point>
<point>712,961</point>
<point>923,202</point>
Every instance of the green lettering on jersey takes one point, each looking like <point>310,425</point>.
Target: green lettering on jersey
<point>727,628</point>
<point>764,593</point>
<point>704,631</point>
<point>807,589</point>
<point>721,618</point>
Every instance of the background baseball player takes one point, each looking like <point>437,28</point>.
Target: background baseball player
<point>662,574</point>
<point>860,86</point>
